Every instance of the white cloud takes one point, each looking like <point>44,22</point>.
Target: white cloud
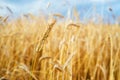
<point>103,1</point>
<point>4,4</point>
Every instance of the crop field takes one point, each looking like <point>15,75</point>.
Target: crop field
<point>36,48</point>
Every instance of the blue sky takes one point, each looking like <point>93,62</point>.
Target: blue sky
<point>86,8</point>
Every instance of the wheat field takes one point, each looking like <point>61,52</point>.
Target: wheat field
<point>36,48</point>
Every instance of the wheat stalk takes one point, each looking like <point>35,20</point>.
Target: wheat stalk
<point>58,15</point>
<point>40,45</point>
<point>9,10</point>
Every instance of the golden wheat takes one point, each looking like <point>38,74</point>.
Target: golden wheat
<point>47,50</point>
